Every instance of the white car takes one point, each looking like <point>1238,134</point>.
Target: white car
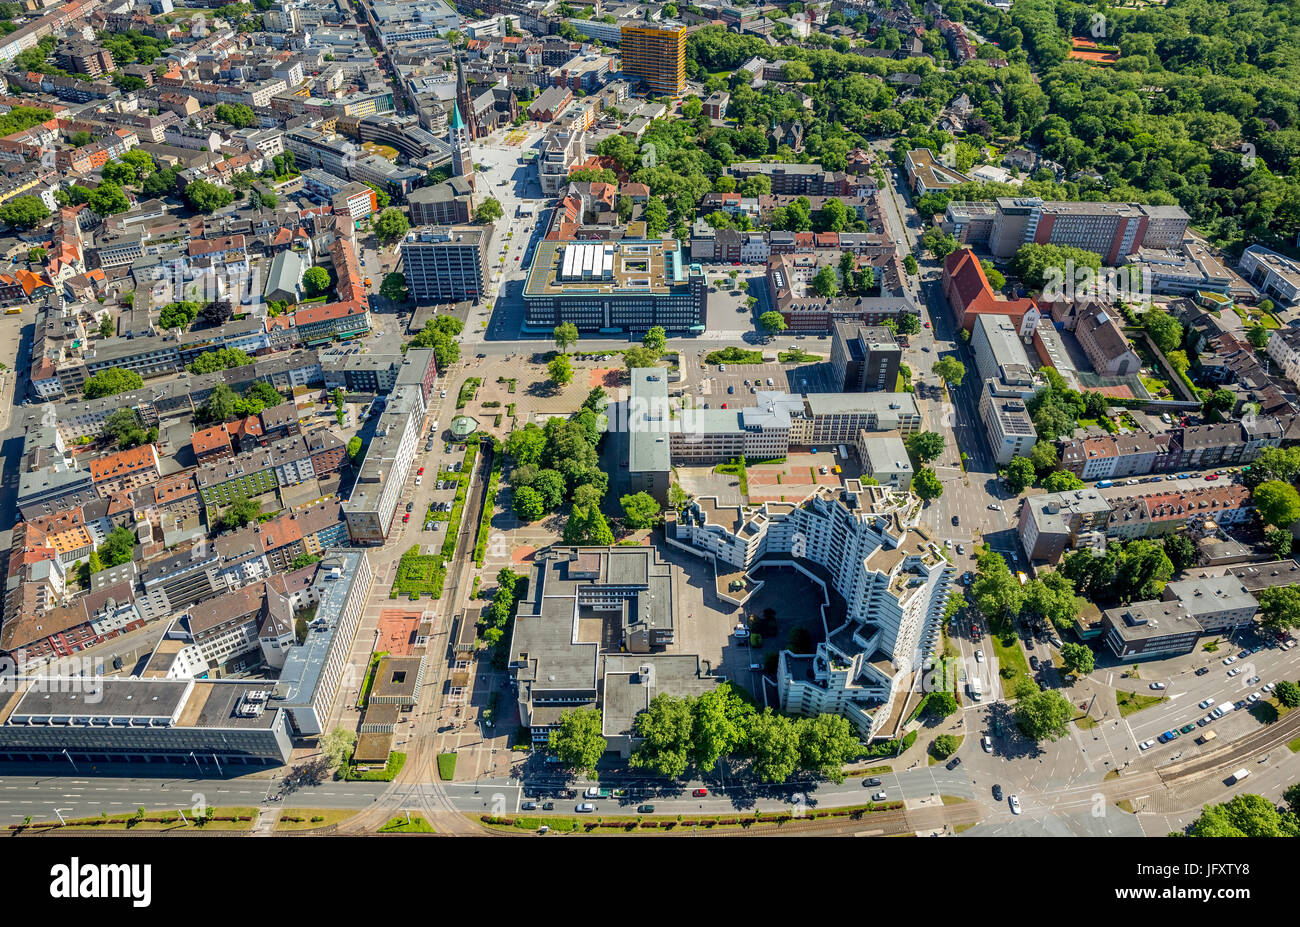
<point>987,743</point>
<point>585,807</point>
<point>1146,745</point>
<point>993,507</point>
<point>1158,686</point>
<point>879,796</point>
<point>1228,661</point>
<point>1254,697</point>
<point>1206,704</point>
<point>1267,687</point>
<point>442,395</point>
<point>1236,670</point>
<point>979,656</point>
<point>1014,802</point>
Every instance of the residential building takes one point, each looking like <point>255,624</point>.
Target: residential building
<point>655,53</point>
<point>445,264</point>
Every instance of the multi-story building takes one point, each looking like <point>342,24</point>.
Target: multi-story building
<point>445,264</point>
<point>628,285</point>
<point>447,203</point>
<point>370,509</point>
<point>864,358</point>
<point>655,53</point>
<point>1052,522</point>
<point>1284,349</point>
<point>1007,422</point>
<point>1273,274</point>
<point>559,151</point>
<point>1189,609</point>
<point>858,542</point>
<point>1103,341</point>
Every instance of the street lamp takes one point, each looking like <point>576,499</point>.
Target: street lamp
<point>69,756</point>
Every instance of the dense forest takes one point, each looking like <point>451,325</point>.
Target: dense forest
<point>1201,108</point>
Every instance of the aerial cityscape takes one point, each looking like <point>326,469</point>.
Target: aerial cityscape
<point>561,420</point>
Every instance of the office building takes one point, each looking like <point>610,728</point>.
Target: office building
<point>446,264</point>
<point>617,286</point>
<point>864,358</point>
<point>656,54</point>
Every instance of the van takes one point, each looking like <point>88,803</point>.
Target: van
<point>1239,775</point>
<point>976,690</point>
<point>1104,484</point>
<point>1207,737</point>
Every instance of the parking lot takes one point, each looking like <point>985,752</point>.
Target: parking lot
<point>706,383</point>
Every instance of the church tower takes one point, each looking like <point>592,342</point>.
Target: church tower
<point>462,162</point>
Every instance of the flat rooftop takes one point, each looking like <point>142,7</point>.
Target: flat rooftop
<point>624,268</point>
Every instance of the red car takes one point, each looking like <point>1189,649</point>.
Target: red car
<point>406,517</point>
<point>1211,476</point>
<point>700,793</point>
<point>927,324</point>
<point>420,472</point>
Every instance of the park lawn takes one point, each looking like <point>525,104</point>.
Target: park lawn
<point>1009,655</point>
<point>446,766</point>
<point>329,817</point>
<point>1129,702</point>
<point>399,825</point>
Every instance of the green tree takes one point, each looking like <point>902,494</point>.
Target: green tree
<point>719,719</point>
<point>825,283</point>
<point>1061,481</point>
<point>641,510</point>
<point>336,746</point>
<point>997,592</point>
<point>488,211</point>
<point>1078,658</point>
<point>938,242</point>
<point>119,172</point>
<point>221,405</point>
<point>23,212</point>
<point>1164,329</point>
<point>316,280</point>
<point>241,512</point>
<point>1052,598</point>
<point>393,287</point>
<point>206,197</point>
<point>236,114</point>
<point>1245,816</point>
<point>655,339</point>
<point>565,335</point>
<point>1278,503</point>
<point>528,504</point>
<point>1019,473</point>
<point>950,370</point>
<point>772,741</point>
<point>941,704</point>
<point>908,323</point>
<point>1044,715</point>
<point>925,446</point>
<point>550,486</point>
<point>1181,551</point>
<point>926,484</point>
<point>111,382</point>
<point>526,445</point>
<point>1218,404</point>
<point>560,370</point>
<point>772,322</point>
<point>108,199</point>
<point>118,548</point>
<point>1279,608</point>
<point>910,265</point>
<point>826,743</point>
<point>665,728</point>
<point>635,358</point>
<point>1049,267</point>
<point>578,741</point>
<point>1288,693</point>
<point>391,225</point>
<point>944,746</point>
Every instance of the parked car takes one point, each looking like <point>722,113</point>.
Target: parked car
<point>585,807</point>
<point>1187,728</point>
<point>528,806</point>
<point>997,793</point>
<point>882,795</point>
<point>645,809</point>
<point>987,743</point>
<point>699,793</point>
<point>1202,671</point>
<point>1207,703</point>
<point>1146,745</point>
<point>1228,661</point>
<point>1014,801</point>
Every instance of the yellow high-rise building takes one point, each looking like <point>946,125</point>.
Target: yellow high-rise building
<point>656,53</point>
